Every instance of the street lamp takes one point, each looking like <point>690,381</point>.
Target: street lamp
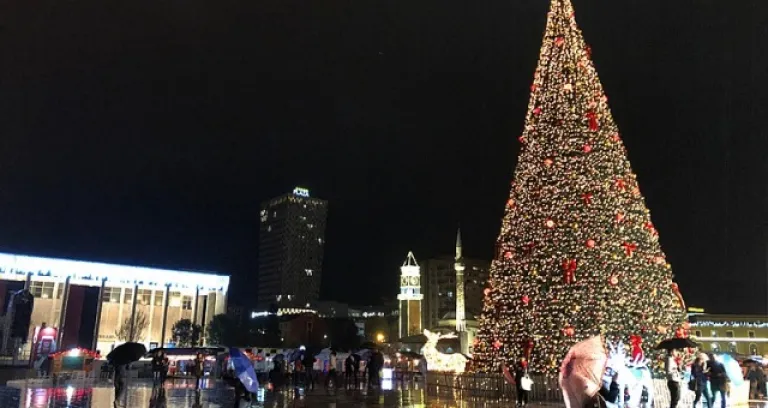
<point>380,337</point>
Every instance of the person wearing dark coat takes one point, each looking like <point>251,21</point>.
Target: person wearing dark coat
<point>718,380</point>
<point>309,367</point>
<point>521,371</point>
<point>349,368</point>
<point>119,381</point>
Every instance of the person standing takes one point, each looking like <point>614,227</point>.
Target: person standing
<point>718,380</point>
<point>674,378</point>
<point>157,365</point>
<point>522,382</point>
<point>700,374</point>
<point>331,370</point>
<point>309,366</point>
<point>119,382</point>
<point>349,367</point>
<point>199,369</point>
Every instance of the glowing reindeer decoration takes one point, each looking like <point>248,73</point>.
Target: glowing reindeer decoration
<point>633,375</point>
<point>438,361</point>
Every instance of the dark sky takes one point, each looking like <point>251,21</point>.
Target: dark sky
<point>148,132</point>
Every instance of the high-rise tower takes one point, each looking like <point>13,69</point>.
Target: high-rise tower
<point>410,297</point>
<point>458,266</point>
<point>291,246</point>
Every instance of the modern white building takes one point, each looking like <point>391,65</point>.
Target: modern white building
<point>162,296</point>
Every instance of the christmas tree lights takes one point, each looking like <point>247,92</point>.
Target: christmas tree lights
<point>577,255</point>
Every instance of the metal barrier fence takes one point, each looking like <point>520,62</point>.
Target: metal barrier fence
<point>490,386</point>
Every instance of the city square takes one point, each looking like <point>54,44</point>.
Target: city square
<point>351,204</point>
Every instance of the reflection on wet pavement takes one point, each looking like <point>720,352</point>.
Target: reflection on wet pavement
<point>215,395</point>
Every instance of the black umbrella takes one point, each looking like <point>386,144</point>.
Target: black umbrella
<point>676,343</point>
<point>126,353</point>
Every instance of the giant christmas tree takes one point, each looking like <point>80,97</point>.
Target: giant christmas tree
<point>577,254</point>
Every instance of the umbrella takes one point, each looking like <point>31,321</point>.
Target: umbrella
<point>363,354</point>
<point>278,357</point>
<point>581,372</point>
<point>732,369</point>
<point>244,370</point>
<point>676,343</point>
<point>411,355</point>
<point>126,353</point>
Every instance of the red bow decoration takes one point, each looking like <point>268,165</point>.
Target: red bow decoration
<point>593,124</point>
<point>649,226</point>
<point>676,290</point>
<point>587,197</point>
<point>569,271</point>
<point>620,184</point>
<point>629,248</point>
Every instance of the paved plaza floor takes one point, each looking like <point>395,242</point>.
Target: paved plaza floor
<point>215,394</point>
<point>180,394</point>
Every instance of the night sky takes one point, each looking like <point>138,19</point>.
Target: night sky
<point>148,132</point>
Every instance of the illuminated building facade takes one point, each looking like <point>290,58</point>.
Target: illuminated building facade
<point>291,246</point>
<point>410,297</point>
<point>742,334</point>
<point>162,296</point>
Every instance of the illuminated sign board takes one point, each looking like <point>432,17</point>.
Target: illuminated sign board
<point>301,192</point>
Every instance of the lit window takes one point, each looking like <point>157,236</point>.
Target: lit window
<point>269,228</point>
<point>159,294</point>
<point>42,289</point>
<point>174,299</point>
<point>128,296</point>
<point>320,241</point>
<point>186,302</point>
<point>145,296</point>
<point>111,295</point>
<point>308,271</point>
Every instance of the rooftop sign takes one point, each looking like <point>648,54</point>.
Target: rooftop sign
<point>301,192</point>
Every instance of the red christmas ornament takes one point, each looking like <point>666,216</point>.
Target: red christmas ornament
<point>620,184</point>
<point>587,148</point>
<point>569,331</point>
<point>549,223</point>
<point>511,203</point>
<point>659,260</point>
<point>559,41</point>
<point>487,291</point>
<point>569,271</point>
<point>533,87</point>
<point>526,300</point>
<point>616,137</point>
<point>591,243</point>
<point>589,51</point>
<point>629,248</point>
<point>619,216</point>
<point>638,354</point>
<point>537,110</point>
<point>548,162</point>
<point>593,124</point>
<point>521,139</point>
<point>613,280</point>
<point>587,197</point>
<point>497,344</point>
<point>508,255</point>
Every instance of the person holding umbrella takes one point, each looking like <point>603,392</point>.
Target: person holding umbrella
<point>119,358</point>
<point>674,377</point>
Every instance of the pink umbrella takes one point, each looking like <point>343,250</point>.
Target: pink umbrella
<point>582,371</point>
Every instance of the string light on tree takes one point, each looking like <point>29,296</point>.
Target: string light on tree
<point>579,255</point>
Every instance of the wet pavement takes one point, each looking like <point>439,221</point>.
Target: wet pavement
<point>215,394</point>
